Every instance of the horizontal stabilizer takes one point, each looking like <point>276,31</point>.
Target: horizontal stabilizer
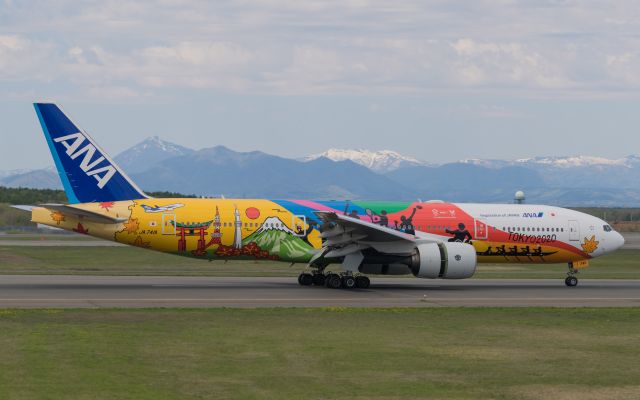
<point>23,208</point>
<point>85,214</point>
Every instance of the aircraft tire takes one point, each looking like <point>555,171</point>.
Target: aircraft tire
<point>333,281</point>
<point>305,279</point>
<point>362,282</point>
<point>571,281</point>
<point>319,279</point>
<point>348,282</point>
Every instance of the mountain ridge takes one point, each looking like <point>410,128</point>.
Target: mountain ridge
<point>156,164</point>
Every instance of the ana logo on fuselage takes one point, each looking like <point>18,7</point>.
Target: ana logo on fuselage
<point>532,215</point>
<point>73,144</point>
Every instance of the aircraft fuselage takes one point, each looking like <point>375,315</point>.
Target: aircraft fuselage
<point>288,230</point>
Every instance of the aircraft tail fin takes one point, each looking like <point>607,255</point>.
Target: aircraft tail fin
<point>87,173</point>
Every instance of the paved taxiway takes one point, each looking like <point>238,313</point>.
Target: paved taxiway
<point>88,291</point>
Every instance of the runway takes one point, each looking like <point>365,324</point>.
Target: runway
<point>136,292</point>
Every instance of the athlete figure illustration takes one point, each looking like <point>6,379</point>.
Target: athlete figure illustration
<point>537,252</point>
<point>381,219</point>
<point>513,251</point>
<point>501,251</point>
<point>304,233</point>
<point>406,224</point>
<point>353,213</point>
<point>460,235</point>
<point>525,251</point>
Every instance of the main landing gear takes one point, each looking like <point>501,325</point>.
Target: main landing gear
<point>333,280</point>
<point>571,279</point>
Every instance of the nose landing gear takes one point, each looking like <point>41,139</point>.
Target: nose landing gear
<point>571,280</point>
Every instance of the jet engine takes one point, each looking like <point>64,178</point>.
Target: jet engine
<point>448,260</point>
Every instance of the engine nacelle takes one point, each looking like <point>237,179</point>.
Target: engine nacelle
<point>385,269</point>
<point>449,260</point>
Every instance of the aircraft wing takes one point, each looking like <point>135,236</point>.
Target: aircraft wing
<point>85,214</point>
<point>344,236</point>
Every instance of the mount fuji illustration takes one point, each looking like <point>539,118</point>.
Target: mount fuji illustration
<point>275,237</point>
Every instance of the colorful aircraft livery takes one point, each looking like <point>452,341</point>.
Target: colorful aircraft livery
<point>430,239</point>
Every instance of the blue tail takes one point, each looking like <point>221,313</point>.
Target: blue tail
<point>87,172</point>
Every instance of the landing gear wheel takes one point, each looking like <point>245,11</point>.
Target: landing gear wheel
<point>319,279</point>
<point>305,279</point>
<point>333,281</point>
<point>348,282</point>
<point>362,282</point>
<point>571,281</point>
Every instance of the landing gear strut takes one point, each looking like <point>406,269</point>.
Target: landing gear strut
<point>571,279</point>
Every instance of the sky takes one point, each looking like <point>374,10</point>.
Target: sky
<point>436,80</point>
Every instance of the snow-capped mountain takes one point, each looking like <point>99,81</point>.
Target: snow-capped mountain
<point>273,224</point>
<point>487,163</point>
<point>578,161</point>
<point>378,161</point>
<point>157,165</point>
<point>278,239</point>
<point>148,152</point>
<point>575,161</point>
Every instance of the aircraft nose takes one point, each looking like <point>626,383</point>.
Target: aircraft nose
<point>619,240</point>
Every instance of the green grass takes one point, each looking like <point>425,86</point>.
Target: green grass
<point>320,354</point>
<point>14,235</point>
<point>126,261</point>
<point>623,264</point>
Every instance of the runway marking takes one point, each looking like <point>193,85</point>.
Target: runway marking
<point>573,299</point>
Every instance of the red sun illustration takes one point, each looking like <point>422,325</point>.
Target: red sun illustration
<point>252,213</point>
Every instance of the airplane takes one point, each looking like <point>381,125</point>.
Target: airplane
<point>431,239</point>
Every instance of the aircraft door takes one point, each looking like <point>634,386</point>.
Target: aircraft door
<point>168,224</point>
<point>481,230</point>
<point>574,230</point>
<point>299,221</point>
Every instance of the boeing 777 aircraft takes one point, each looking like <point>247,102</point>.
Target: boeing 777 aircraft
<point>430,239</point>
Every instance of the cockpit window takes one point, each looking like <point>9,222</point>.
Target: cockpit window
<point>607,228</point>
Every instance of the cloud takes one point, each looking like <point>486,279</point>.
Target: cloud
<point>22,59</point>
<point>624,68</point>
<point>482,63</point>
<point>292,47</point>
